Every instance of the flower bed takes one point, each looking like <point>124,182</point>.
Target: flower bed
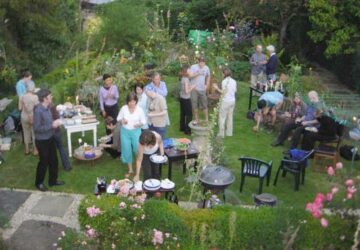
<point>114,222</point>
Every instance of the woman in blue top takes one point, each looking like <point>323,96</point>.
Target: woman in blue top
<point>268,103</point>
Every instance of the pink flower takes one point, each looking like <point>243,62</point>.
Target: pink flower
<point>320,198</point>
<point>331,171</point>
<point>91,233</point>
<point>351,189</point>
<point>143,217</point>
<point>339,165</point>
<point>124,191</point>
<point>349,182</point>
<point>324,222</point>
<point>316,213</point>
<point>93,211</point>
<point>122,205</point>
<point>135,206</point>
<point>349,196</point>
<point>334,190</point>
<point>309,206</point>
<point>157,237</point>
<point>329,196</point>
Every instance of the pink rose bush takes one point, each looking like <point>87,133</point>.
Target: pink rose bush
<point>315,207</point>
<point>93,211</point>
<point>157,237</point>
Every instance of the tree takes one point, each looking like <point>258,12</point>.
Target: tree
<point>275,13</point>
<point>39,33</point>
<point>336,23</point>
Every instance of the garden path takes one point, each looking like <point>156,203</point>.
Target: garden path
<point>36,219</point>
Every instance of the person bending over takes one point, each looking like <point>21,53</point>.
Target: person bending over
<point>150,143</point>
<point>268,104</point>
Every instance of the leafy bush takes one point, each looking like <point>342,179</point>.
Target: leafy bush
<point>226,227</point>
<point>240,70</point>
<point>123,24</point>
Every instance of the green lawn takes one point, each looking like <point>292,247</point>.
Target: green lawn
<point>19,170</point>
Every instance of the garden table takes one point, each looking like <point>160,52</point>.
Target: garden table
<point>174,154</point>
<point>80,128</point>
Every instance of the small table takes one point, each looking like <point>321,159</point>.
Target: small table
<point>177,155</point>
<point>80,128</point>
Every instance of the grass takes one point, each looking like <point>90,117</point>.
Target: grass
<point>19,170</point>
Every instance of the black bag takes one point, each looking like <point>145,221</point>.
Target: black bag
<point>346,153</point>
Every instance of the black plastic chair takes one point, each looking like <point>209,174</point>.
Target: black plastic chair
<point>255,168</point>
<point>295,167</point>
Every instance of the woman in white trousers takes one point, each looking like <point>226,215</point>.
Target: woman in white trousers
<point>227,105</point>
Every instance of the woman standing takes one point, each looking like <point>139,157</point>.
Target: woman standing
<point>108,99</point>
<point>185,101</point>
<point>228,90</point>
<point>157,113</point>
<point>142,100</point>
<point>132,119</point>
<point>150,143</point>
<point>27,103</point>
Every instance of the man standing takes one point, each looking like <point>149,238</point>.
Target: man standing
<point>44,126</point>
<point>156,85</point>
<point>108,99</point>
<point>258,62</point>
<point>199,75</point>
<point>271,64</point>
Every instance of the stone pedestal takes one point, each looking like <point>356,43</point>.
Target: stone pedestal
<point>199,134</point>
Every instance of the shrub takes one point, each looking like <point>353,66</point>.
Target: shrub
<point>123,24</point>
<point>226,227</point>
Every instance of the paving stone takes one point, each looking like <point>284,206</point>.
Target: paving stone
<point>52,205</point>
<point>39,235</point>
<point>11,200</point>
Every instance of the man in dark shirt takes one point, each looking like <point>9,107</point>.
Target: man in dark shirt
<point>44,126</point>
<point>326,132</point>
<point>272,63</point>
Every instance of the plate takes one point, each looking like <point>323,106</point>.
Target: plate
<point>151,189</point>
<point>152,184</point>
<point>155,158</point>
<point>167,184</point>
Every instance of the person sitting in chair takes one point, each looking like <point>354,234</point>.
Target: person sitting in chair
<point>268,103</point>
<point>327,131</point>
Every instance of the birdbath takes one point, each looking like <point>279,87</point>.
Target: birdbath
<point>199,132</point>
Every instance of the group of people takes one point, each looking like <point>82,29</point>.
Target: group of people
<point>41,128</point>
<point>195,82</point>
<point>306,124</point>
<point>139,128</point>
<point>263,68</point>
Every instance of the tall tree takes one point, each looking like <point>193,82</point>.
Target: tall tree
<point>337,23</point>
